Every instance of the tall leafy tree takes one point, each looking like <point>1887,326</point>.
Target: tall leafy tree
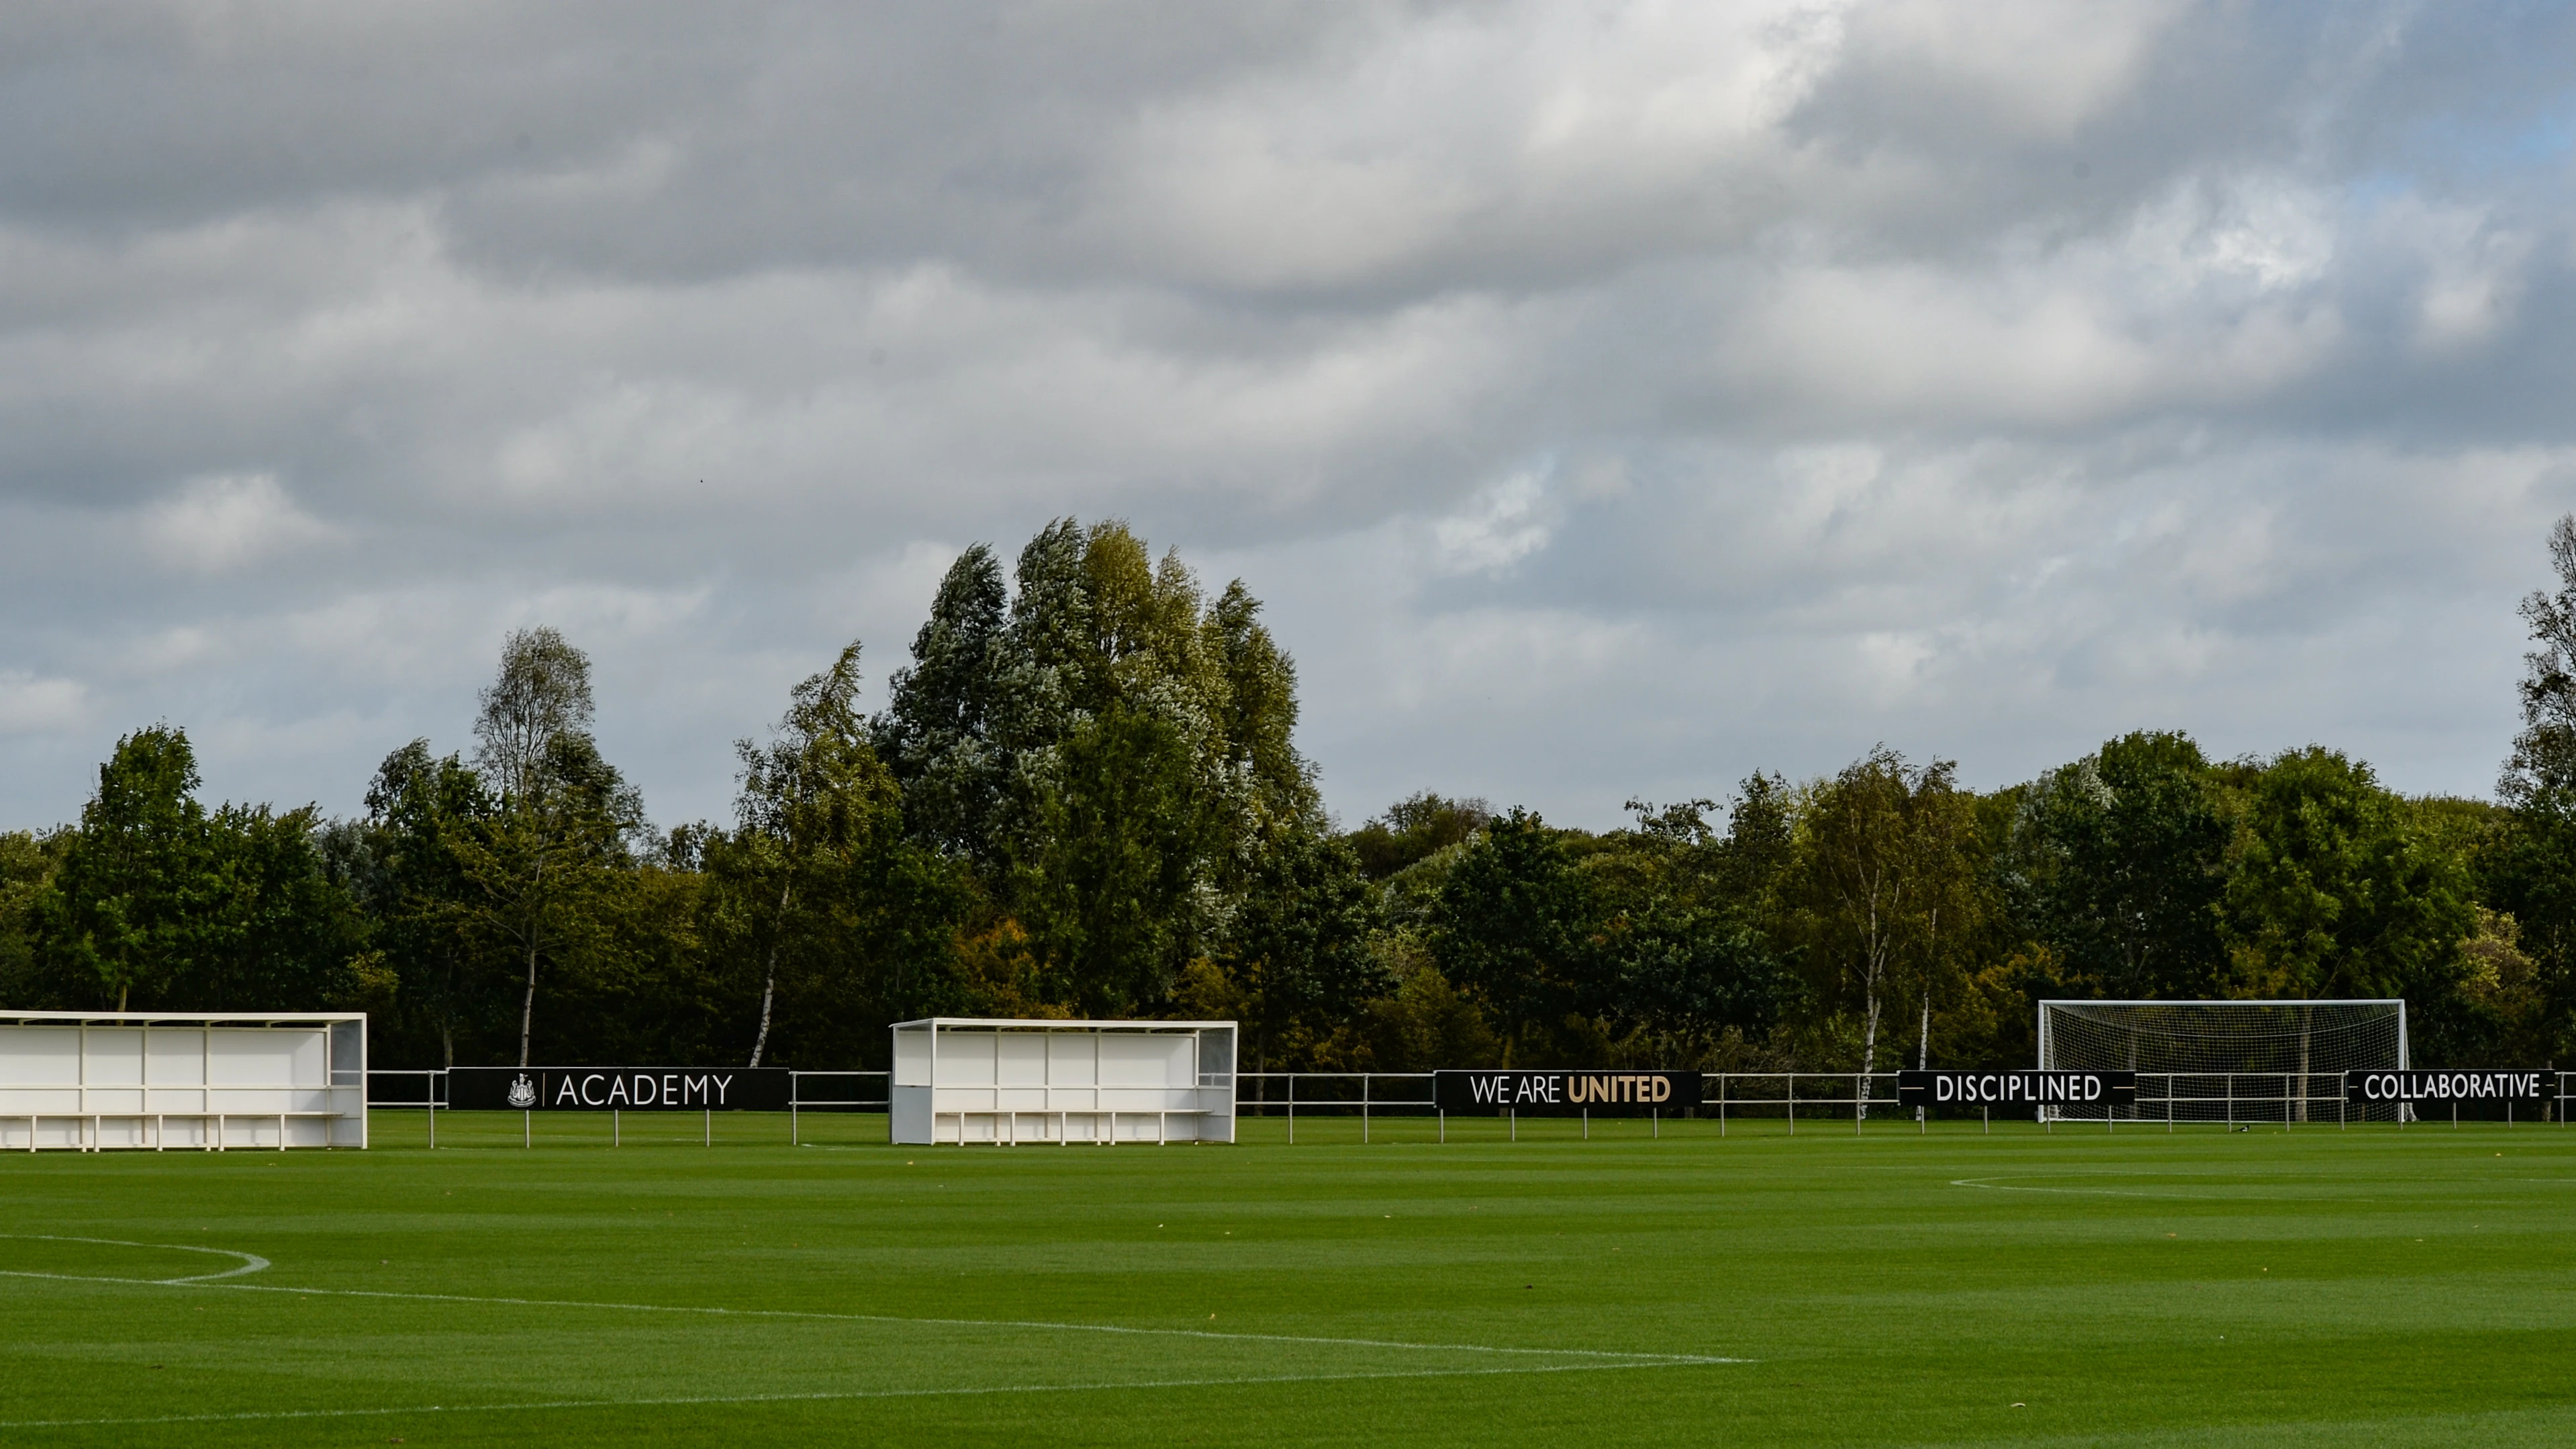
<point>27,865</point>
<point>542,864</point>
<point>818,815</point>
<point>2125,857</point>
<point>2529,864</point>
<point>1297,948</point>
<point>160,904</point>
<point>1882,885</point>
<point>2334,893</point>
<point>1110,754</point>
<point>937,734</point>
<point>119,920</point>
<point>422,814</point>
<point>1518,926</point>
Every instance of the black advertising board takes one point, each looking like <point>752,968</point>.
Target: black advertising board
<point>1564,1093</point>
<point>2467,1094</point>
<point>617,1089</point>
<point>2017,1091</point>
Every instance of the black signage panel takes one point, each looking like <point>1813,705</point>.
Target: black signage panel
<point>2432,1093</point>
<point>617,1089</point>
<point>1564,1093</point>
<point>2016,1090</point>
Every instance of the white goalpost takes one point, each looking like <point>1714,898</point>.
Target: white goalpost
<point>2230,1061</point>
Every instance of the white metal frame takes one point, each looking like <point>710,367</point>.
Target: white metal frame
<point>163,1105</point>
<point>2396,1001</point>
<point>2302,1096</point>
<point>1102,1097</point>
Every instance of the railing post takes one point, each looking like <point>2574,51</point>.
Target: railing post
<point>1364,1108</point>
<point>1793,1104</point>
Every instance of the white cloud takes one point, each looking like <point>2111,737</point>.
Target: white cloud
<point>1981,378</point>
<point>33,705</point>
<point>1505,523</point>
<point>227,522</point>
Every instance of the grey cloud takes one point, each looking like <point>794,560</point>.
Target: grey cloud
<point>1608,399</point>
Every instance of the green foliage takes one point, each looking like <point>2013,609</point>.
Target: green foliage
<point>1888,888</point>
<point>2120,860</point>
<point>541,869</point>
<point>1413,829</point>
<point>27,865</point>
<point>845,920</point>
<point>420,809</point>
<point>1084,796</point>
<point>1516,925</point>
<point>1110,759</point>
<point>1297,951</point>
<point>155,904</point>
<point>2333,893</point>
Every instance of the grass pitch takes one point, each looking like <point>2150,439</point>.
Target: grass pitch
<point>2326,1288</point>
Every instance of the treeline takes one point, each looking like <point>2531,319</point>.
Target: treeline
<point>1083,798</point>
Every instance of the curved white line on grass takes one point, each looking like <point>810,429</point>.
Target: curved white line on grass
<point>250,1262</point>
<point>1993,1184</point>
<point>1997,1186</point>
<point>836,1395</point>
<point>1622,1356</point>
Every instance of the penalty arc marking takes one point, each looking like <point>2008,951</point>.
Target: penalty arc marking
<point>249,1262</point>
<point>253,1263</point>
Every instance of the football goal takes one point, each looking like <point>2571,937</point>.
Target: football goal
<point>2230,1061</point>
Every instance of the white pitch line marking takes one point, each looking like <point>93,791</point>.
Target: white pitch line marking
<point>1622,1356</point>
<point>2250,1196</point>
<point>250,1262</point>
<point>1658,1361</point>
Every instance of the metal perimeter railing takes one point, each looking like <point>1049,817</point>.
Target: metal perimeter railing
<point>2167,1099</point>
<point>806,1092</point>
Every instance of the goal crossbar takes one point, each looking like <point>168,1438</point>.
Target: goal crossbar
<point>2203,1049</point>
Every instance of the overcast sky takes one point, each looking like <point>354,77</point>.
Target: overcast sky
<point>1607,400</point>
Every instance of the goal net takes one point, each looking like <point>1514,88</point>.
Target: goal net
<point>2232,1061</point>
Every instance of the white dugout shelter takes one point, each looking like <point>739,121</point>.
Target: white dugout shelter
<point>205,1080</point>
<point>962,1079</point>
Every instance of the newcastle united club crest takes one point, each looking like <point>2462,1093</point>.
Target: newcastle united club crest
<point>523,1093</point>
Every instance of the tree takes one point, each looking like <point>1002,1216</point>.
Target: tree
<point>1297,948</point>
<point>2333,892</point>
<point>1517,926</point>
<point>118,918</point>
<point>1413,828</point>
<point>936,734</point>
<point>1107,752</point>
<point>816,806</point>
<point>422,812</point>
<point>163,905</point>
<point>542,862</point>
<point>1109,888</point>
<point>2529,863</point>
<point>1881,882</point>
<point>27,865</point>
<point>2126,858</point>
